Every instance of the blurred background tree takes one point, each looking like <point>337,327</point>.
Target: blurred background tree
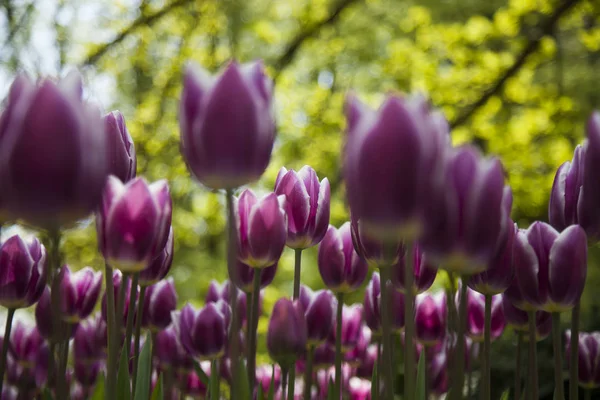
<point>516,77</point>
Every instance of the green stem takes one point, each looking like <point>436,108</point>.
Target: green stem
<point>378,363</point>
<point>338,346</point>
<point>533,373</point>
<point>63,361</point>
<point>232,270</point>
<point>138,328</point>
<point>588,394</point>
<point>284,380</point>
<point>5,344</point>
<point>409,324</point>
<point>574,357</point>
<point>559,390</point>
<point>253,318</point>
<point>292,382</point>
<point>518,366</point>
<point>214,380</point>
<point>487,345</point>
<point>130,313</point>
<point>121,306</point>
<point>297,269</point>
<point>111,373</point>
<point>456,390</point>
<point>308,372</point>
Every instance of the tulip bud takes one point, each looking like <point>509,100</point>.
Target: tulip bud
<point>377,253</point>
<point>160,301</point>
<point>437,373</point>
<point>430,318</point>
<point>244,276</point>
<point>79,293</point>
<point>9,393</point>
<point>372,305</point>
<point>307,206</point>
<point>227,125</point>
<point>324,356</point>
<point>355,356</point>
<point>562,208</point>
<point>359,389</point>
<point>588,213</point>
<point>160,266</point>
<point>87,374</point>
<point>287,332</point>
<point>52,154</point>
<point>191,385</point>
<point>169,351</point>
<point>550,268</point>
<point>424,272</point>
<point>319,314</point>
<point>91,340</point>
<point>218,292</point>
<point>133,222</point>
<point>117,281</point>
<point>203,333</point>
<point>476,316</point>
<point>122,160</point>
<point>43,317</point>
<point>22,272</point>
<point>262,227</point>
<point>390,159</point>
<point>471,191</point>
<point>588,358</point>
<point>25,344</point>
<point>341,268</point>
<point>327,376</point>
<point>267,373</point>
<point>367,363</point>
<point>352,323</point>
<point>519,320</point>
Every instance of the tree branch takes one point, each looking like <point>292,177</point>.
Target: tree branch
<point>292,48</point>
<point>142,20</point>
<point>545,28</point>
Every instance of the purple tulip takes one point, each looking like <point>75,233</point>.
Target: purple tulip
<point>352,323</point>
<point>191,385</point>
<point>25,344</point>
<point>52,153</point>
<point>437,372</point>
<point>122,160</point>
<point>160,301</point>
<point>372,305</point>
<point>44,320</point>
<point>227,124</point>
<point>390,158</point>
<point>307,206</point>
<point>217,291</point>
<point>588,358</point>
<point>287,332</point>
<point>356,355</point>
<point>377,253</point>
<point>564,197</point>
<point>430,318</point>
<point>359,389</point>
<point>91,340</point>
<point>203,333</point>
<point>550,268</point>
<point>79,293</point>
<point>470,191</point>
<point>87,374</point>
<point>262,227</point>
<point>319,314</point>
<point>476,316</point>
<point>341,268</point>
<point>244,276</point>
<point>133,223</point>
<point>519,320</point>
<point>117,280</point>
<point>169,351</point>
<point>267,373</point>
<point>367,363</point>
<point>588,213</point>
<point>160,266</point>
<point>424,272</point>
<point>22,272</point>
<point>326,376</point>
<point>9,393</point>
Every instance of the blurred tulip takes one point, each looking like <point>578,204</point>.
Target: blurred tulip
<point>356,355</point>
<point>470,191</point>
<point>160,266</point>
<point>372,305</point>
<point>390,158</point>
<point>262,227</point>
<point>367,363</point>
<point>430,318</point>
<point>319,314</point>
<point>133,223</point>
<point>377,253</point>
<point>359,389</point>
<point>341,268</point>
<point>424,272</point>
<point>217,291</point>
<point>564,197</point>
<point>203,333</point>
<point>52,156</point>
<point>306,206</point>
<point>9,393</point>
<point>267,373</point>
<point>91,340</point>
<point>227,125</point>
<point>588,357</point>
<point>550,268</point>
<point>588,213</point>
<point>437,372</point>
<point>287,332</point>
<point>519,321</point>
<point>23,271</point>
<point>244,276</point>
<point>44,320</point>
<point>25,344</point>
<point>324,356</point>
<point>117,281</point>
<point>326,376</point>
<point>476,316</point>
<point>160,301</point>
<point>122,160</point>
<point>352,323</point>
<point>191,385</point>
<point>169,351</point>
<point>79,292</point>
<point>87,374</point>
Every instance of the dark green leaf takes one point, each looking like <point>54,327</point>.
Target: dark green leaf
<point>242,385</point>
<point>99,389</point>
<point>331,390</point>
<point>420,390</point>
<point>47,394</point>
<point>201,374</point>
<point>123,384</point>
<point>144,372</point>
<point>214,380</point>
<point>261,395</point>
<point>158,394</point>
<point>374,386</point>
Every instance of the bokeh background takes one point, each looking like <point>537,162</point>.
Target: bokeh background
<point>516,77</point>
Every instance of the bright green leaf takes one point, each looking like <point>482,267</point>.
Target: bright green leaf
<point>201,374</point>
<point>123,384</point>
<point>374,386</point>
<point>421,392</point>
<point>157,393</point>
<point>144,372</point>
<point>99,389</point>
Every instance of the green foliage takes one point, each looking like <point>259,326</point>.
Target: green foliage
<point>98,393</point>
<point>123,383</point>
<point>420,389</point>
<point>144,374</point>
<point>158,392</point>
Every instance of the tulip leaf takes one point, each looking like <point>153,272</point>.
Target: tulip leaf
<point>271,394</point>
<point>201,374</point>
<point>331,390</point>
<point>144,372</point>
<point>123,384</point>
<point>99,389</point>
<point>47,394</point>
<point>420,389</point>
<point>213,388</point>
<point>242,385</point>
<point>260,394</point>
<point>505,395</point>
<point>374,386</point>
<point>157,393</point>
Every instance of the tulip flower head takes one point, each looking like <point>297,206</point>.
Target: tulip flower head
<point>287,332</point>
<point>476,316</point>
<point>44,321</point>
<point>519,320</point>
<point>122,160</point>
<point>588,358</point>
<point>91,340</point>
<point>244,276</point>
<point>159,303</point>
<point>352,324</point>
<point>430,318</point>
<point>424,272</point>
<point>588,213</point>
<point>319,314</point>
<point>79,292</point>
<point>160,266</point>
<point>564,197</point>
